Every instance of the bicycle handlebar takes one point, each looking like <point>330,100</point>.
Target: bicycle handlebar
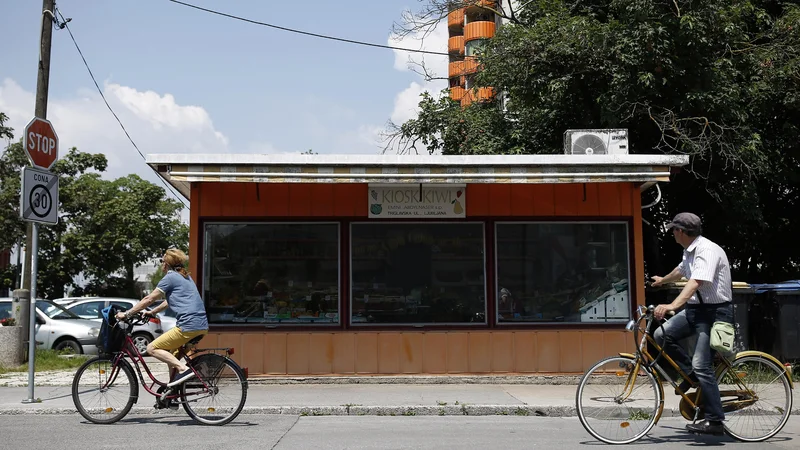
<point>137,319</point>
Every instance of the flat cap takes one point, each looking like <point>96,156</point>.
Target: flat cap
<point>687,222</point>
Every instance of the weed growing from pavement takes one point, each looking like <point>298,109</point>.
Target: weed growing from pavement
<point>522,412</point>
<point>638,415</point>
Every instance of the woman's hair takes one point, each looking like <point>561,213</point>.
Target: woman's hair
<point>176,260</point>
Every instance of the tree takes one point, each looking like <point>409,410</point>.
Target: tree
<point>718,80</point>
<point>105,227</point>
<point>133,222</point>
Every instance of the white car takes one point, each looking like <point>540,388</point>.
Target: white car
<point>65,331</point>
<point>91,308</point>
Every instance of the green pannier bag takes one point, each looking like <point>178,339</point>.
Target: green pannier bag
<point>722,336</point>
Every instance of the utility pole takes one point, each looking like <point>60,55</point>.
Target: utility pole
<point>31,252</point>
<point>42,88</point>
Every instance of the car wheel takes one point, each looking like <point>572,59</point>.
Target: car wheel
<point>141,340</point>
<point>69,346</point>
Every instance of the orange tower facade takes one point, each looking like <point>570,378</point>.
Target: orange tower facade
<point>469,25</point>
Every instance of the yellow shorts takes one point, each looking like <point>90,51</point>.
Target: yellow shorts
<point>173,339</point>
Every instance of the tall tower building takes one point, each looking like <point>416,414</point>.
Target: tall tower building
<point>469,26</point>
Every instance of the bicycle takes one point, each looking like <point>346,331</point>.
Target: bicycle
<point>106,378</point>
<point>626,412</point>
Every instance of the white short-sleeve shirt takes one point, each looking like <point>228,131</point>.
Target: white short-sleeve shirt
<point>706,261</point>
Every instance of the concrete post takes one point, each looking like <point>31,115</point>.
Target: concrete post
<point>20,311</point>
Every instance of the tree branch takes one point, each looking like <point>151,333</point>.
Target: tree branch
<point>421,69</point>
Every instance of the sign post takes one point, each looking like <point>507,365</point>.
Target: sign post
<point>38,204</point>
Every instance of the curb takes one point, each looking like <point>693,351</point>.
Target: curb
<point>49,380</point>
<point>359,410</point>
<point>346,410</point>
<point>422,379</point>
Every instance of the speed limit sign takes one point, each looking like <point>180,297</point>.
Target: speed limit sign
<point>39,196</point>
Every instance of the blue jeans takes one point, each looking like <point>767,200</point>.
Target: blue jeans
<point>697,320</point>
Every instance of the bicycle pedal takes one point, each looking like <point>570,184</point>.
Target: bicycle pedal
<point>165,394</point>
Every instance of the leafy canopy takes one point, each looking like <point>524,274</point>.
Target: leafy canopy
<point>718,80</point>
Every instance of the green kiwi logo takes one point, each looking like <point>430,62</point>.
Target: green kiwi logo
<point>376,208</point>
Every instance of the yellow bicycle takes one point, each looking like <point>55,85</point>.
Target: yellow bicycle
<point>621,398</point>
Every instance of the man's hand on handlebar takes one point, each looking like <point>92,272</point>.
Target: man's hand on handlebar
<point>663,310</point>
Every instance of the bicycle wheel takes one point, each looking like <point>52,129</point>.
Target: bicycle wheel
<point>615,404</point>
<point>756,417</point>
<point>103,393</point>
<point>218,395</point>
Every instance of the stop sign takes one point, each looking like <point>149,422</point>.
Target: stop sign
<point>41,143</point>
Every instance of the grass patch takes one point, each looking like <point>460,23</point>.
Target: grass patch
<point>47,360</point>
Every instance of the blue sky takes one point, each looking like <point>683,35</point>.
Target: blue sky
<point>183,80</point>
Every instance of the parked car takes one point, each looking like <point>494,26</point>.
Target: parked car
<point>67,300</point>
<point>91,307</point>
<point>59,329</point>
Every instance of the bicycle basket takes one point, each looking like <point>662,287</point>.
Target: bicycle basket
<point>112,332</point>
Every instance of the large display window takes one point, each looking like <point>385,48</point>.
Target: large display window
<point>417,273</point>
<point>562,272</point>
<point>272,273</point>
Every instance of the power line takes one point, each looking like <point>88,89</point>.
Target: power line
<point>307,33</point>
<point>62,25</point>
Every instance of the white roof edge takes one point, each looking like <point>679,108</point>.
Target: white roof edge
<point>420,160</point>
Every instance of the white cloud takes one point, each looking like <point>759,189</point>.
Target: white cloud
<point>157,123</point>
<point>406,101</point>
<point>435,41</point>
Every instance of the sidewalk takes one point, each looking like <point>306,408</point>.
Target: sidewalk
<point>443,395</point>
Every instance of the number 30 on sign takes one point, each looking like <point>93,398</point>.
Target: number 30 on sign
<point>39,196</point>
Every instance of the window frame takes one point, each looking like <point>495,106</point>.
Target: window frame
<point>99,315</point>
<point>629,246</point>
<point>206,261</point>
<point>418,325</point>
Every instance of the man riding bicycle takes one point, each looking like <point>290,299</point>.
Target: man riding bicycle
<point>182,296</point>
<point>708,295</point>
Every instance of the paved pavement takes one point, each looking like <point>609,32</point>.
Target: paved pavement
<point>285,432</point>
<point>356,396</point>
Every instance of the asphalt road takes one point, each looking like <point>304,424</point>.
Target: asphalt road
<point>284,432</point>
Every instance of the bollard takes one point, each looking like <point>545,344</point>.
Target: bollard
<point>20,309</point>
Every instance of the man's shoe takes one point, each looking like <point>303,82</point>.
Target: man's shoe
<point>706,427</point>
<point>188,374</point>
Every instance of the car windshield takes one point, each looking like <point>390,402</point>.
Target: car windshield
<point>54,310</point>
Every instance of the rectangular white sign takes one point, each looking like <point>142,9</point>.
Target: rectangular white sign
<point>403,201</point>
<point>39,196</point>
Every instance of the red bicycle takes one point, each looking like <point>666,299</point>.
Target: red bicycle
<point>104,388</point>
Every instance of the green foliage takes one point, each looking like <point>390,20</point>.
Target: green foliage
<point>105,227</point>
<point>718,80</point>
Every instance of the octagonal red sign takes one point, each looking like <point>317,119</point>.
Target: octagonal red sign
<point>41,143</point>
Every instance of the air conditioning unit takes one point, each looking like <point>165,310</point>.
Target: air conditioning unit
<point>596,142</point>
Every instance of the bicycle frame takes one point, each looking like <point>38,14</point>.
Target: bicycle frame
<point>130,351</point>
<point>644,359</point>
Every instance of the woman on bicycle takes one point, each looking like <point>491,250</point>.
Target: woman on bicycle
<point>180,292</point>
